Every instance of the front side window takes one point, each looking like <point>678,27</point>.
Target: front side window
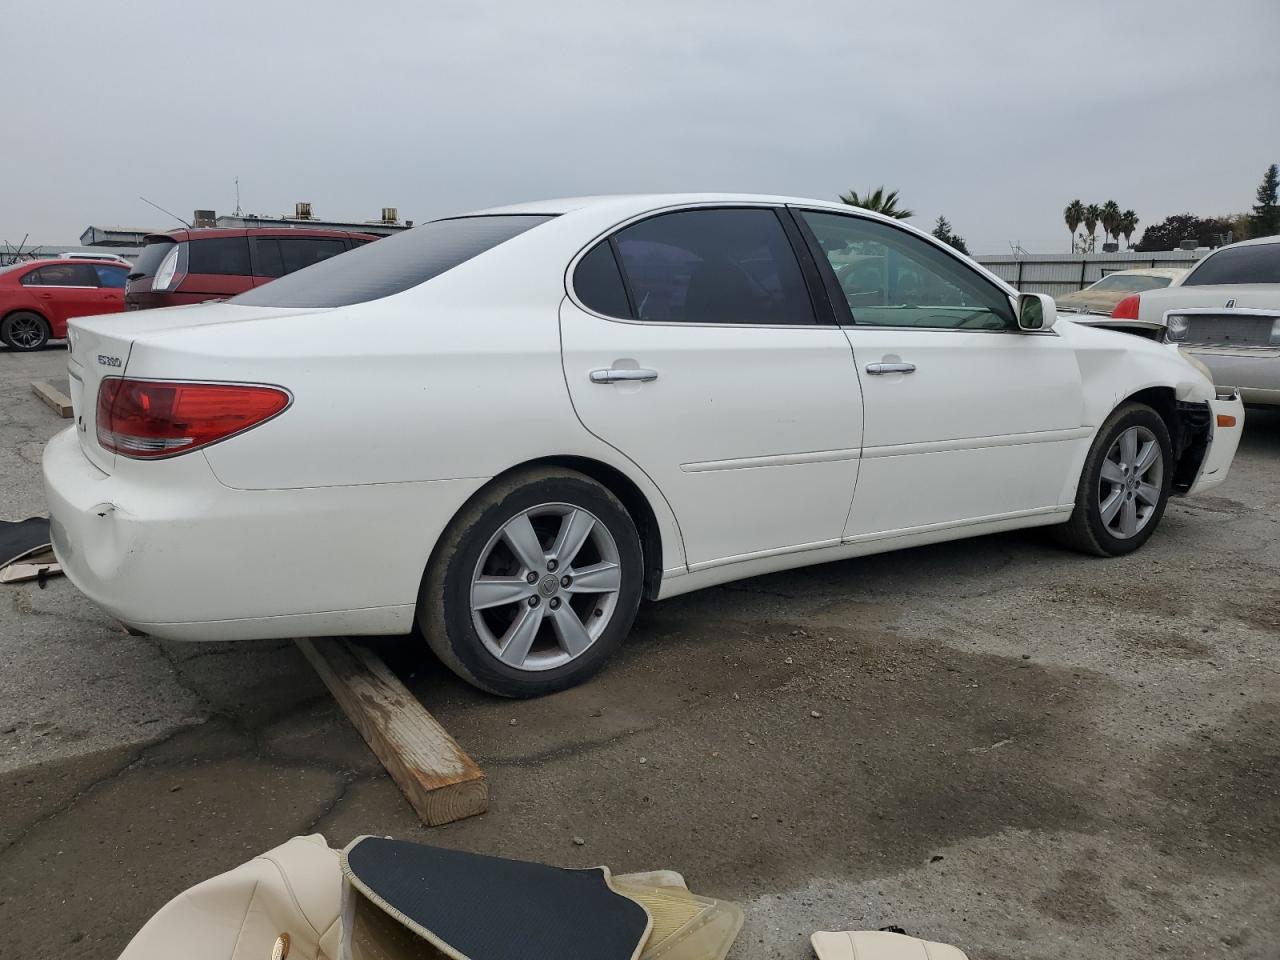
<point>892,278</point>
<point>1254,264</point>
<point>712,266</point>
<point>221,256</point>
<point>62,275</point>
<point>391,265</point>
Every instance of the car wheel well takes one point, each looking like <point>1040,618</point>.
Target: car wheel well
<point>24,310</point>
<point>636,503</point>
<point>1188,425</point>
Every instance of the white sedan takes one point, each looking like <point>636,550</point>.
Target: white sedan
<point>512,426</point>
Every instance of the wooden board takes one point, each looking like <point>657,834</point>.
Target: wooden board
<point>439,780</point>
<point>54,397</point>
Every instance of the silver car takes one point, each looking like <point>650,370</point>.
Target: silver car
<point>1225,312</point>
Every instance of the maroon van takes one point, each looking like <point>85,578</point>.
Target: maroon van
<point>191,266</point>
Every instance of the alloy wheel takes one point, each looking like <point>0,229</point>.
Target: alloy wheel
<point>1131,483</point>
<point>26,331</point>
<point>545,586</point>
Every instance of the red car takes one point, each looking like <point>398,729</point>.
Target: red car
<point>38,297</point>
<point>191,266</point>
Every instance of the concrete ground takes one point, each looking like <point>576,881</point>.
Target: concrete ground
<point>1027,753</point>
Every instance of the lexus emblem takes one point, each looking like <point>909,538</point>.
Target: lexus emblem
<point>1230,303</point>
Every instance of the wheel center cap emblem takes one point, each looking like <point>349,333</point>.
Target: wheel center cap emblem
<point>548,586</point>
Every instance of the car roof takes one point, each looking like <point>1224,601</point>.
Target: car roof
<point>641,202</point>
<point>184,234</point>
<point>63,261</point>
<point>1149,272</point>
<point>1255,242</point>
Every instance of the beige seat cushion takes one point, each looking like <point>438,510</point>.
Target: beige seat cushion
<point>878,945</point>
<point>294,890</point>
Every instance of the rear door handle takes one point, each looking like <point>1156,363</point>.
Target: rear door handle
<point>616,375</point>
<point>879,369</point>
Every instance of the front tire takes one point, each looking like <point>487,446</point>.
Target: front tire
<point>533,585</point>
<point>24,330</point>
<point>1125,485</point>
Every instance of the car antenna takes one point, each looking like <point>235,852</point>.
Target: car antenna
<point>163,210</point>
<point>238,213</point>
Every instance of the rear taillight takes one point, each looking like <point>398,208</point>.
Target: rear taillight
<point>161,418</point>
<point>1127,309</point>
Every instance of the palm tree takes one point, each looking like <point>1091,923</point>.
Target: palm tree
<point>1128,224</point>
<point>880,202</point>
<point>1073,214</point>
<point>1110,218</point>
<point>1092,213</point>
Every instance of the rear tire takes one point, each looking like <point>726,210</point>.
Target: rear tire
<point>24,331</point>
<point>533,585</point>
<point>1124,486</point>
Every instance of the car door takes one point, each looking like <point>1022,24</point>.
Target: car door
<point>691,344</point>
<point>966,418</point>
<point>64,290</point>
<point>111,281</point>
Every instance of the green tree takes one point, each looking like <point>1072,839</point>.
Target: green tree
<point>1073,215</point>
<point>1265,219</point>
<point>1092,214</point>
<point>1171,231</point>
<point>1110,218</point>
<point>942,230</point>
<point>1128,224</point>
<point>879,201</point>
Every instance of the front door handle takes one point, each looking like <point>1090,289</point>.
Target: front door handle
<point>617,375</point>
<point>879,369</point>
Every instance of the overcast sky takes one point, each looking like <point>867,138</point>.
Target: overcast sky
<point>995,114</point>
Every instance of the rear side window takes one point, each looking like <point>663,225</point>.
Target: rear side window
<point>1256,264</point>
<point>391,265</point>
<point>224,256</point>
<point>149,261</point>
<point>598,282</point>
<point>713,266</point>
<point>111,276</point>
<point>299,252</point>
<point>62,275</point>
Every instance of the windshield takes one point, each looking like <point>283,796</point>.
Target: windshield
<point>392,265</point>
<point>1254,264</point>
<point>1130,283</point>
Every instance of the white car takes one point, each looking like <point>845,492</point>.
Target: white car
<point>512,426</point>
<point>1225,312</point>
<point>84,255</point>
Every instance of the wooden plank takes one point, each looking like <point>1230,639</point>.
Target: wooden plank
<point>54,397</point>
<point>439,780</point>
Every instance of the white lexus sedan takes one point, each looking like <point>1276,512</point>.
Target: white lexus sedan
<point>512,426</point>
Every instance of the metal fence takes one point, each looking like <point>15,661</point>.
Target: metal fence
<point>1059,274</point>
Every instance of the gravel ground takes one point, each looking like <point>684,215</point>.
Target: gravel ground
<point>1025,752</point>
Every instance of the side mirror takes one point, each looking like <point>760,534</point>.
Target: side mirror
<point>1036,312</point>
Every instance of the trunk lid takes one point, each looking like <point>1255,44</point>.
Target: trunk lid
<point>100,347</point>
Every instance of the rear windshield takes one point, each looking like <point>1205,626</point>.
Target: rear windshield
<point>1256,264</point>
<point>391,265</point>
<point>1131,283</point>
<point>149,260</point>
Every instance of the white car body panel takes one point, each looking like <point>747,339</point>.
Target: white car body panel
<point>756,449</point>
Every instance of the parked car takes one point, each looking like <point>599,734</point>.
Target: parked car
<point>38,297</point>
<point>1102,296</point>
<point>195,265</point>
<point>1225,313</point>
<point>574,404</point>
<point>113,257</point>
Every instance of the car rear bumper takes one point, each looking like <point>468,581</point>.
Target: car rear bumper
<point>1255,372</point>
<point>197,560</point>
<point>1226,423</point>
